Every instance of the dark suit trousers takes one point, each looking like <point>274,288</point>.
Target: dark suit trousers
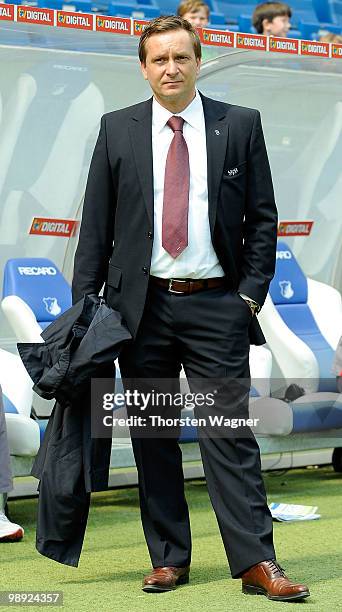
<point>207,333</point>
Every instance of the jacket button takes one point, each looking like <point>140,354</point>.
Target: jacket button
<point>145,270</point>
<point>150,235</point>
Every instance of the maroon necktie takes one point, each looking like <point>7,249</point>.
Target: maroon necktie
<point>176,192</point>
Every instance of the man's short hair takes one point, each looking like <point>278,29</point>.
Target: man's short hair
<point>269,10</point>
<point>192,6</point>
<point>166,24</point>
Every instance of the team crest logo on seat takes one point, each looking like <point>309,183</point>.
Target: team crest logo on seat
<point>286,289</point>
<point>52,306</point>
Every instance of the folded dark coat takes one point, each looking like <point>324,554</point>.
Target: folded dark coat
<point>81,344</point>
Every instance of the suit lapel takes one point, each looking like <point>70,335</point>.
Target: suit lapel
<point>140,131</point>
<point>216,127</point>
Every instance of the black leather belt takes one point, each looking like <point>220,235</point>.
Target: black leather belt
<point>188,285</point>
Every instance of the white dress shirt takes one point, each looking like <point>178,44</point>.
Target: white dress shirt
<point>198,260</point>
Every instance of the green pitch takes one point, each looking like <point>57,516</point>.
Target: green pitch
<point>114,557</point>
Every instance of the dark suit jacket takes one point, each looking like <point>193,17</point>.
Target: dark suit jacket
<point>116,234</point>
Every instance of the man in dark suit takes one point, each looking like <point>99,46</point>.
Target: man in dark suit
<point>180,222</point>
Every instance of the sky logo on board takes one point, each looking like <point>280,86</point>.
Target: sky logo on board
<point>337,50</point>
<point>37,225</point>
<point>139,26</point>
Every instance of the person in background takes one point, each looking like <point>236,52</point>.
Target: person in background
<point>330,37</point>
<point>194,11</point>
<point>272,19</point>
<point>8,531</point>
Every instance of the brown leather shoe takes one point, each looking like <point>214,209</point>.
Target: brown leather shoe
<point>268,578</point>
<point>165,579</point>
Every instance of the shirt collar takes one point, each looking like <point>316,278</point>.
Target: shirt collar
<point>192,114</point>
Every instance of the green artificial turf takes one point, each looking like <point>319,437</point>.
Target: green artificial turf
<point>114,557</point>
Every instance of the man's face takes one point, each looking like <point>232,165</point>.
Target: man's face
<point>171,67</point>
<point>198,18</point>
<point>279,26</point>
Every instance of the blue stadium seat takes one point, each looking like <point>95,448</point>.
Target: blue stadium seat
<point>212,5</point>
<point>311,31</point>
<point>303,14</point>
<point>295,34</point>
<point>16,401</point>
<point>34,285</point>
<point>147,3</point>
<point>232,10</point>
<point>245,24</point>
<point>301,5</point>
<point>328,11</point>
<point>323,11</point>
<point>150,12</point>
<point>167,7</point>
<point>24,2</point>
<point>83,6</point>
<point>126,2</point>
<point>217,19</point>
<point>337,11</point>
<point>132,9</point>
<point>291,292</point>
<point>100,6</point>
<point>318,412</point>
<point>218,26</point>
